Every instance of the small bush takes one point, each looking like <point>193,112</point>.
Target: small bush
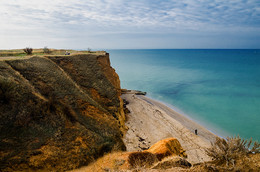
<point>28,50</point>
<point>142,159</point>
<point>230,149</point>
<point>46,50</point>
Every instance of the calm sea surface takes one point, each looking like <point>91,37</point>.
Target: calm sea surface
<point>220,89</point>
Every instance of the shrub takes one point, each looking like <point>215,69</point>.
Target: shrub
<point>46,50</point>
<point>28,50</point>
<point>141,159</point>
<point>230,149</point>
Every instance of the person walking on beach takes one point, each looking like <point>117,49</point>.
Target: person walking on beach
<point>196,131</point>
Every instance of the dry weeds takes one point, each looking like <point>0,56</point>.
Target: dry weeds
<point>227,151</point>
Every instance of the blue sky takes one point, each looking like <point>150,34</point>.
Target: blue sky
<point>117,24</point>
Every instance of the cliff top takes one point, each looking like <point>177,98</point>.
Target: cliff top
<point>15,54</point>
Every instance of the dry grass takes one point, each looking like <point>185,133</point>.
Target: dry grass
<point>121,161</point>
<point>227,151</point>
<point>236,151</point>
<point>171,162</point>
<point>44,51</point>
<point>109,162</point>
<point>139,160</point>
<point>143,161</point>
<point>6,89</point>
<point>45,103</point>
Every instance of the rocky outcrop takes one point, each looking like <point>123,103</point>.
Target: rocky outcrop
<point>165,154</point>
<point>58,112</point>
<point>167,147</point>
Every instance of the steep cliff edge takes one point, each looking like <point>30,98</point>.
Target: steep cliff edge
<point>58,112</point>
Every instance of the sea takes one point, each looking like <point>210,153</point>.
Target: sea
<point>217,88</point>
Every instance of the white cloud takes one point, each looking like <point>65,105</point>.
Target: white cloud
<point>63,18</point>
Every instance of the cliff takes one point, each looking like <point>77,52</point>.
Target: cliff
<point>58,112</point>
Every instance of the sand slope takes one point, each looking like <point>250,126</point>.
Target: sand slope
<point>150,121</point>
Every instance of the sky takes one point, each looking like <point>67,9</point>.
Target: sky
<point>130,24</point>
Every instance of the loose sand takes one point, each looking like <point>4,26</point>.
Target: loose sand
<point>150,121</point>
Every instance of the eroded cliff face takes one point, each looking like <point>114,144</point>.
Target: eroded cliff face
<point>58,112</point>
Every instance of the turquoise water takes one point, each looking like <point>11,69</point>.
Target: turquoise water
<point>220,89</point>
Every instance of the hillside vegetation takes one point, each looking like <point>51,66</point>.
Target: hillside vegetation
<point>44,51</point>
<point>58,112</point>
<point>168,155</point>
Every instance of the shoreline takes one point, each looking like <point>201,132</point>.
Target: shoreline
<point>178,114</point>
<point>199,122</point>
<point>150,121</point>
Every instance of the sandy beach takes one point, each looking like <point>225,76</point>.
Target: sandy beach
<point>150,121</point>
